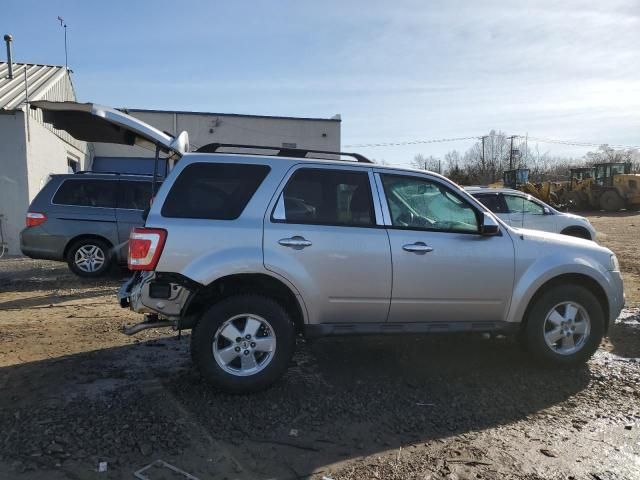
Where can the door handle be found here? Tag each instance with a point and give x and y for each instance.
(418, 247)
(296, 242)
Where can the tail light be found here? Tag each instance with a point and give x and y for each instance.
(145, 247)
(34, 219)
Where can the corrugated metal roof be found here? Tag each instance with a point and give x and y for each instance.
(40, 78)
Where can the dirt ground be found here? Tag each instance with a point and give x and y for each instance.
(74, 392)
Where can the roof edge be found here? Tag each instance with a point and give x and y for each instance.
(188, 112)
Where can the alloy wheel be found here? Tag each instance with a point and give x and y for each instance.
(89, 258)
(244, 345)
(566, 328)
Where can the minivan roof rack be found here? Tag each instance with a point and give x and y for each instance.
(82, 172)
(281, 151)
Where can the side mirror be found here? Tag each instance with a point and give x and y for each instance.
(489, 226)
(546, 211)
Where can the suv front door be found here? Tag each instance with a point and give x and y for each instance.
(444, 270)
(321, 233)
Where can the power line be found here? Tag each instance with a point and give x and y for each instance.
(576, 143)
(411, 142)
(479, 137)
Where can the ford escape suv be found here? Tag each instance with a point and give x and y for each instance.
(250, 250)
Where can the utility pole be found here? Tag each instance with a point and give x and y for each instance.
(511, 152)
(64, 25)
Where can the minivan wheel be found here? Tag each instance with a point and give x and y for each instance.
(565, 325)
(243, 343)
(89, 257)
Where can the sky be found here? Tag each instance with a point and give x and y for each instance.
(396, 71)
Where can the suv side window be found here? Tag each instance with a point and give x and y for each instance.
(493, 201)
(518, 204)
(326, 197)
(213, 191)
(86, 193)
(419, 203)
(134, 194)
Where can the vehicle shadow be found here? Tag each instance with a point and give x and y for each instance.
(20, 275)
(51, 299)
(341, 398)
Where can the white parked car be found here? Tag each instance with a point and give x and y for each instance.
(521, 210)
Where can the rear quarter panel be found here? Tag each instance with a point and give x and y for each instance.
(205, 250)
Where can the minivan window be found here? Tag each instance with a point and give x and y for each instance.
(213, 191)
(134, 195)
(87, 193)
(328, 197)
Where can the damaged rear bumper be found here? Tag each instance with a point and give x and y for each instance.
(158, 296)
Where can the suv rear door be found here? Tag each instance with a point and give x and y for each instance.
(444, 270)
(321, 233)
(98, 123)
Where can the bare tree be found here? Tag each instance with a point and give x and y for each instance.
(430, 163)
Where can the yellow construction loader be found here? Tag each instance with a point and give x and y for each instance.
(549, 192)
(607, 186)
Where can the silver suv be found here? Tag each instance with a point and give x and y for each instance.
(251, 250)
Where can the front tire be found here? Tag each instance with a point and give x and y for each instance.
(89, 258)
(577, 232)
(611, 201)
(565, 325)
(243, 343)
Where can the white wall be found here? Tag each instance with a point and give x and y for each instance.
(14, 192)
(47, 154)
(246, 130)
(26, 160)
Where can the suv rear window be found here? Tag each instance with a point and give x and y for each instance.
(327, 197)
(214, 191)
(87, 193)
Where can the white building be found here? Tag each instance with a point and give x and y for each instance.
(205, 128)
(29, 149)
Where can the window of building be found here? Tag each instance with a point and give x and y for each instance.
(73, 165)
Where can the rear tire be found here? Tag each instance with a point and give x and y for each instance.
(564, 326)
(89, 258)
(611, 201)
(243, 343)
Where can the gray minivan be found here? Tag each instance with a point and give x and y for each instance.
(85, 219)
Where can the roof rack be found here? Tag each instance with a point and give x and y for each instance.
(82, 172)
(282, 151)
